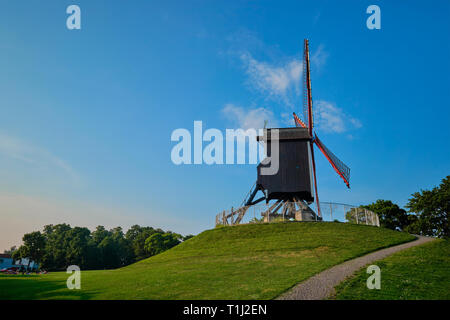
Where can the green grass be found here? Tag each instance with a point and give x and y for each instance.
(255, 261)
(421, 272)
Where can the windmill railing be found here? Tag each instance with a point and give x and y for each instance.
(291, 211)
(332, 211)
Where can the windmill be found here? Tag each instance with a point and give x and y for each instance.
(291, 187)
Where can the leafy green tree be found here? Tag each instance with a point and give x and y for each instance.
(77, 247)
(189, 236)
(414, 225)
(10, 251)
(19, 253)
(390, 214)
(95, 252)
(108, 249)
(33, 247)
(115, 250)
(124, 247)
(160, 242)
(99, 234)
(134, 232)
(56, 246)
(137, 236)
(432, 208)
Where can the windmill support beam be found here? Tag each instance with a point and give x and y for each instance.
(257, 201)
(252, 196)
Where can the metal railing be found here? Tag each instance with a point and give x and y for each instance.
(263, 212)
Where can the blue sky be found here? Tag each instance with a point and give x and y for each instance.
(86, 115)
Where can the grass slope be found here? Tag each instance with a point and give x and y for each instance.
(257, 261)
(421, 272)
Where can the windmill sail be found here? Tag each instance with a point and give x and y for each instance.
(342, 170)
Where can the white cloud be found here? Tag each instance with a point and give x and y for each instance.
(356, 123)
(251, 118)
(280, 81)
(275, 81)
(23, 151)
(319, 57)
(329, 118)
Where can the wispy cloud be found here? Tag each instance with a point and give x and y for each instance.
(329, 118)
(319, 57)
(18, 149)
(275, 81)
(249, 118)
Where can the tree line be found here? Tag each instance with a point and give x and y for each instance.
(427, 213)
(59, 246)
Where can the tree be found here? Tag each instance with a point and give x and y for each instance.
(10, 251)
(134, 232)
(95, 252)
(160, 242)
(432, 208)
(77, 247)
(115, 250)
(137, 236)
(390, 214)
(19, 253)
(189, 236)
(413, 226)
(55, 257)
(32, 248)
(99, 234)
(124, 247)
(108, 249)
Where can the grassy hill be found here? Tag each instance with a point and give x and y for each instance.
(256, 261)
(421, 272)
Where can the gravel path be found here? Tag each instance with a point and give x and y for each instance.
(321, 286)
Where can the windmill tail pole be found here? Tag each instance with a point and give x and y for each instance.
(315, 180)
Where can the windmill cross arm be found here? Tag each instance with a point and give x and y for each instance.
(298, 122)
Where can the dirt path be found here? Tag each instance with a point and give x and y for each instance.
(321, 286)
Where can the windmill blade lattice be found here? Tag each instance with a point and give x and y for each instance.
(342, 170)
